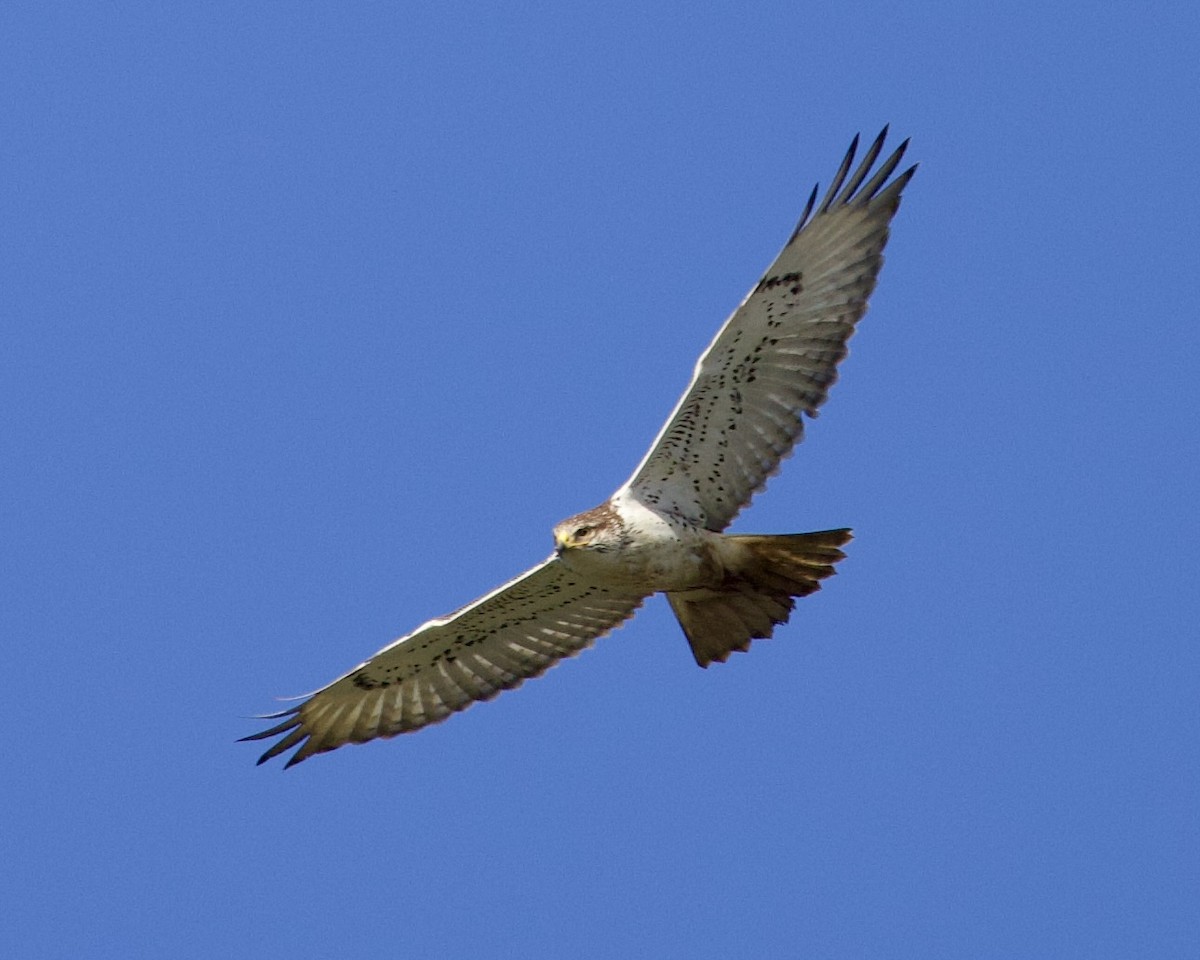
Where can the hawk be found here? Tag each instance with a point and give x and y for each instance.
(770, 365)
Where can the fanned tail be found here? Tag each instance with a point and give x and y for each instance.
(758, 595)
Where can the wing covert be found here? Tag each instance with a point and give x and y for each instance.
(515, 632)
(775, 358)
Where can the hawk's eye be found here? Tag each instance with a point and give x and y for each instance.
(580, 533)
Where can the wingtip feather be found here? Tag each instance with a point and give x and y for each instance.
(860, 174)
(849, 188)
(836, 183)
(808, 209)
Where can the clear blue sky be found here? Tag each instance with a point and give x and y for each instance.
(316, 317)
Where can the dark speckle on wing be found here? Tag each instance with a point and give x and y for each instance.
(794, 281)
(773, 362)
(516, 632)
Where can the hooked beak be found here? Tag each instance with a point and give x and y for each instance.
(560, 542)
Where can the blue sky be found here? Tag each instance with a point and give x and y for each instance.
(317, 317)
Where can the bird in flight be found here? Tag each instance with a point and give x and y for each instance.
(770, 365)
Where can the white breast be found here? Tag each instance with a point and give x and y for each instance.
(664, 553)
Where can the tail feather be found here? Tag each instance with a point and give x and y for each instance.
(758, 595)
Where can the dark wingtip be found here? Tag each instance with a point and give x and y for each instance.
(839, 178)
(808, 209)
(291, 730)
(849, 188)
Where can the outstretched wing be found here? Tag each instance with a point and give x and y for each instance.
(777, 354)
(517, 631)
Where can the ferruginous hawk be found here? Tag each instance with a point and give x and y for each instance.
(771, 364)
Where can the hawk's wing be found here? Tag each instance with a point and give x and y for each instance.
(777, 354)
(515, 632)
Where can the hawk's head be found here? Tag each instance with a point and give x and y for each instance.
(598, 530)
